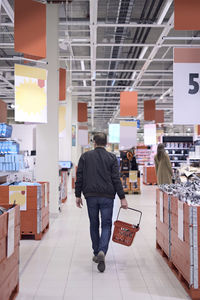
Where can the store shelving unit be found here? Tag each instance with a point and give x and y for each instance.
(143, 155)
(178, 148)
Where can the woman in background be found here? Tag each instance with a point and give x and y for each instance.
(163, 167)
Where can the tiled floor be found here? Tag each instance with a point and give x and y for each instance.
(60, 266)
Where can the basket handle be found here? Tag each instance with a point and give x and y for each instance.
(134, 210)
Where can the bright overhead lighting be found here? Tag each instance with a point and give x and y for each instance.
(82, 65)
(164, 12)
(142, 54)
(113, 82)
(133, 75)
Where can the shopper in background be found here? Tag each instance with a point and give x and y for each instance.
(163, 167)
(98, 179)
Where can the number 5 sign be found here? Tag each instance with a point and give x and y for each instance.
(186, 84)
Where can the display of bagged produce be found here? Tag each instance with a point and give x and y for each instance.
(188, 192)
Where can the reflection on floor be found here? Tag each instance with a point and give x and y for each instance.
(60, 265)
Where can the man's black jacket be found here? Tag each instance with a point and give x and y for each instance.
(98, 175)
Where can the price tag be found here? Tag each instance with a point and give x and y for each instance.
(186, 84)
(11, 232)
(161, 207)
(180, 221)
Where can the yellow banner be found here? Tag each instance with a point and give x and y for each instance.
(31, 72)
(128, 123)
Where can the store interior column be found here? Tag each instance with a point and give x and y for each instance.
(69, 124)
(47, 139)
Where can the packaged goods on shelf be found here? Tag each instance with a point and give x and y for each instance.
(143, 155)
(178, 230)
(34, 205)
(5, 130)
(11, 162)
(188, 192)
(9, 147)
(178, 148)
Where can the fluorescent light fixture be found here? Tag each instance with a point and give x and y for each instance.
(144, 50)
(181, 38)
(133, 75)
(82, 65)
(84, 83)
(164, 12)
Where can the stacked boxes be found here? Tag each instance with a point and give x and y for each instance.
(128, 186)
(149, 175)
(180, 239)
(9, 266)
(11, 162)
(35, 218)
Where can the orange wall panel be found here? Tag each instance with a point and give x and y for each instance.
(149, 110)
(186, 15)
(62, 84)
(30, 28)
(82, 112)
(198, 129)
(159, 116)
(128, 104)
(3, 112)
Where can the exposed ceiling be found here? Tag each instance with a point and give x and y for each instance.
(110, 46)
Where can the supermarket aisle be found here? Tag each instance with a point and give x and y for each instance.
(60, 266)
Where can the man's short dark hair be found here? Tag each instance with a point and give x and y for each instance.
(100, 139)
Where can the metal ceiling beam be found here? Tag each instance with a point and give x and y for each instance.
(122, 79)
(103, 24)
(7, 82)
(138, 88)
(118, 59)
(133, 45)
(162, 72)
(154, 51)
(8, 9)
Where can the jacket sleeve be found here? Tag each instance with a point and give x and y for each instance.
(79, 178)
(116, 179)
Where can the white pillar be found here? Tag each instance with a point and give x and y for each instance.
(74, 122)
(69, 124)
(47, 140)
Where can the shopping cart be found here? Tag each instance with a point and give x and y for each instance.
(124, 233)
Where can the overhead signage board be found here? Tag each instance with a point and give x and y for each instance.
(114, 133)
(186, 84)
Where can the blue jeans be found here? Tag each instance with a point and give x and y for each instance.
(105, 207)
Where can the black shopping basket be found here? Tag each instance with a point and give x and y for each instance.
(124, 233)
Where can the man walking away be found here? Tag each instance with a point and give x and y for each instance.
(98, 179)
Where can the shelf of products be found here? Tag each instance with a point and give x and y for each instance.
(178, 148)
(143, 155)
(10, 159)
(177, 232)
(33, 198)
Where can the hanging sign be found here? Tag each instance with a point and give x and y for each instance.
(128, 135)
(186, 84)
